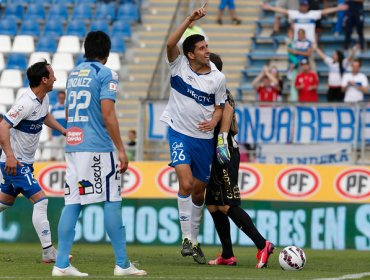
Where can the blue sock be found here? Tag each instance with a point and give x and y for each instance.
(66, 233)
(116, 232)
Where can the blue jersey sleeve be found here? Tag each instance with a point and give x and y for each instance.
(109, 84)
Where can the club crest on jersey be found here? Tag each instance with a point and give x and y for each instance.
(25, 170)
(85, 187)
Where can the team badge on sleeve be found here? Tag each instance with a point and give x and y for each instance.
(112, 86)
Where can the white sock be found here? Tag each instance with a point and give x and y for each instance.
(196, 216)
(41, 223)
(184, 205)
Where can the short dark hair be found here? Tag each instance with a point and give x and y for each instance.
(189, 43)
(97, 45)
(216, 59)
(36, 72)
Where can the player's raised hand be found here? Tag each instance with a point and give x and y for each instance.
(222, 149)
(199, 13)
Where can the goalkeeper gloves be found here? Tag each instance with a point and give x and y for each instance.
(222, 150)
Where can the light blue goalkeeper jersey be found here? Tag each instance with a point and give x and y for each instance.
(88, 84)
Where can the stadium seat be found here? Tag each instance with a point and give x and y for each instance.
(76, 28)
(62, 61)
(14, 11)
(46, 3)
(69, 44)
(58, 11)
(17, 61)
(82, 11)
(35, 12)
(47, 44)
(23, 44)
(91, 2)
(30, 27)
(2, 62)
(118, 45)
(114, 61)
(100, 25)
(26, 82)
(80, 58)
(121, 28)
(11, 78)
(129, 10)
(6, 96)
(53, 27)
(8, 27)
(61, 81)
(20, 91)
(5, 43)
(39, 56)
(69, 3)
(2, 109)
(105, 11)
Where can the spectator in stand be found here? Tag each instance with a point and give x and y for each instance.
(57, 139)
(337, 64)
(131, 143)
(284, 4)
(275, 72)
(355, 17)
(1, 118)
(301, 47)
(338, 28)
(293, 62)
(267, 86)
(232, 11)
(355, 84)
(304, 18)
(306, 83)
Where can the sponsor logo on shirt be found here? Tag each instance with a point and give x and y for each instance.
(84, 73)
(75, 136)
(97, 174)
(15, 111)
(85, 187)
(75, 73)
(112, 86)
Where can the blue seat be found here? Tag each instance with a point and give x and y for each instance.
(118, 45)
(105, 11)
(35, 12)
(82, 11)
(30, 27)
(8, 27)
(17, 61)
(77, 28)
(79, 59)
(58, 11)
(53, 27)
(128, 10)
(47, 44)
(66, 2)
(121, 28)
(100, 25)
(42, 2)
(14, 11)
(91, 2)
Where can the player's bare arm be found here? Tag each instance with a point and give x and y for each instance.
(211, 124)
(331, 10)
(11, 162)
(172, 49)
(111, 123)
(51, 122)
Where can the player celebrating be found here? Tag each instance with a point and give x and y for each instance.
(223, 195)
(197, 92)
(93, 169)
(19, 137)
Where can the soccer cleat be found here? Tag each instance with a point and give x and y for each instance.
(221, 261)
(264, 254)
(198, 255)
(131, 270)
(49, 255)
(68, 271)
(186, 249)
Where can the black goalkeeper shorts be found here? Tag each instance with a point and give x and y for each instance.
(223, 188)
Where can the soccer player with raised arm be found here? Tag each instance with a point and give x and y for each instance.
(19, 137)
(94, 168)
(198, 92)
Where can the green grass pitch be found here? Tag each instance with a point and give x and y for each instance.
(23, 261)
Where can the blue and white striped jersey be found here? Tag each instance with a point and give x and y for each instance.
(193, 98)
(88, 84)
(26, 116)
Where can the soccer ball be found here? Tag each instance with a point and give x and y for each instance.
(292, 258)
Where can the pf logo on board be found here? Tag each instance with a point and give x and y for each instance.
(298, 182)
(131, 180)
(249, 180)
(354, 183)
(167, 181)
(52, 179)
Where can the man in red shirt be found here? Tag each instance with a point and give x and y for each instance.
(306, 83)
(266, 85)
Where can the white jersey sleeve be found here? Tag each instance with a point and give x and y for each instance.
(18, 112)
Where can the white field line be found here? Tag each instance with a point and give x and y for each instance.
(348, 276)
